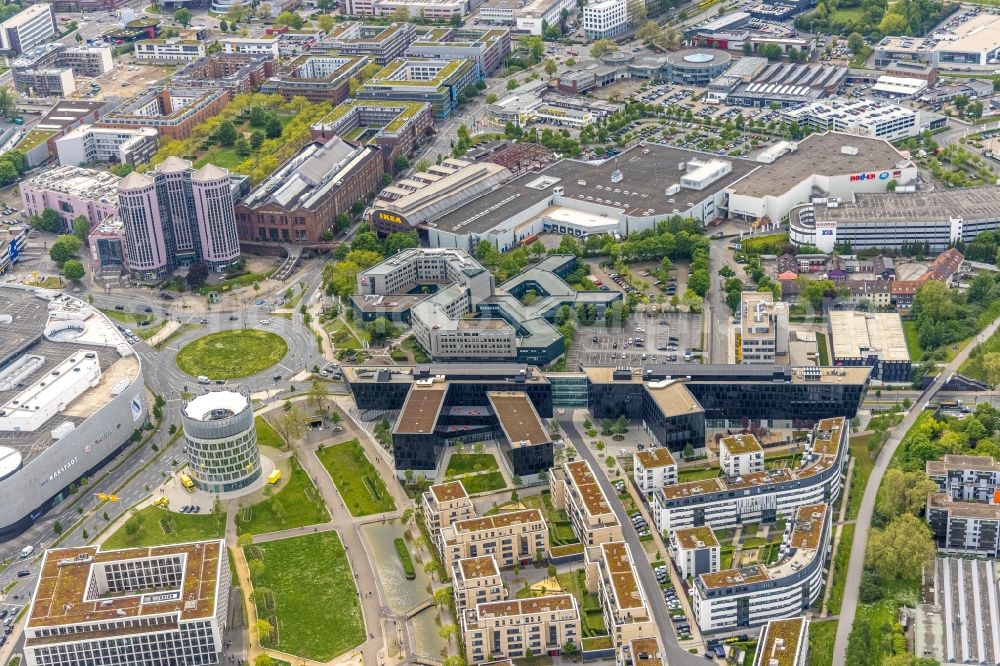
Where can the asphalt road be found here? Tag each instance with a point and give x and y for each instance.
(675, 655)
(849, 606)
(716, 310)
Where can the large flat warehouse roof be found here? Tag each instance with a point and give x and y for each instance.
(859, 334)
(821, 154)
(645, 178)
(974, 203)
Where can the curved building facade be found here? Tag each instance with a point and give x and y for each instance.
(57, 427)
(696, 66)
(222, 441)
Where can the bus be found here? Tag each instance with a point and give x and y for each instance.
(273, 477)
(187, 483)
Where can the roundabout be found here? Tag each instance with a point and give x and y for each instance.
(231, 354)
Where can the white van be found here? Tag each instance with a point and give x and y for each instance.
(202, 379)
(27, 550)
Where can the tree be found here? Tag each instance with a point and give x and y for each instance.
(262, 626)
(73, 270)
(273, 128)
(223, 25)
(401, 240)
(8, 174)
(688, 452)
(226, 135)
(81, 228)
(263, 660)
(291, 19)
(602, 47)
(49, 221)
(326, 23)
(650, 32)
(511, 83)
(902, 493)
(550, 66)
(183, 16)
(855, 42)
(65, 248)
(8, 101)
(892, 24)
(197, 274)
(771, 51)
(257, 139)
(900, 551)
(990, 363)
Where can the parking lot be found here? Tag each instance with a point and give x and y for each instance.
(661, 338)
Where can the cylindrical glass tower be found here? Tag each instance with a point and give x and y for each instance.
(222, 441)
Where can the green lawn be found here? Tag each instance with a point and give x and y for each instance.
(481, 483)
(863, 464)
(839, 572)
(342, 336)
(824, 351)
(227, 158)
(560, 529)
(231, 354)
(266, 434)
(912, 340)
(154, 526)
(466, 463)
(176, 333)
(357, 481)
(697, 474)
(311, 598)
(295, 503)
(821, 635)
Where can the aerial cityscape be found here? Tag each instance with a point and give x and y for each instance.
(499, 332)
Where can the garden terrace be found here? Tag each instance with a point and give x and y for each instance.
(696, 537)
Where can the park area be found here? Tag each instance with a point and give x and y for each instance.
(295, 503)
(231, 354)
(154, 526)
(304, 590)
(359, 484)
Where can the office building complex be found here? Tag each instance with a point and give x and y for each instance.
(763, 329)
(872, 339)
(489, 49)
(221, 441)
(784, 643)
(176, 216)
(71, 396)
(33, 25)
(437, 82)
(441, 405)
(164, 604)
(382, 43)
(751, 596)
(575, 490)
(249, 46)
(740, 455)
(174, 49)
(542, 625)
(88, 144)
(72, 192)
(760, 496)
(317, 78)
(529, 17)
(174, 112)
(300, 201)
(397, 128)
(234, 73)
(49, 69)
(442, 10)
(606, 19)
(503, 330)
